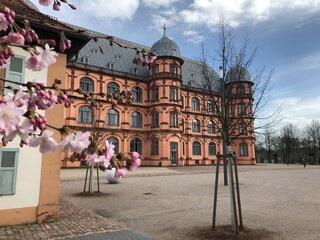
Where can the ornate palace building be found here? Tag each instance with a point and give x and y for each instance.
(171, 123)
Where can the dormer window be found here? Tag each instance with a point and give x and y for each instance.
(110, 65)
(134, 71)
(85, 60)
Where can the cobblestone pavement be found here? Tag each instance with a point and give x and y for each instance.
(74, 223)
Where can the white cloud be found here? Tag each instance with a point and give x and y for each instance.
(158, 3)
(239, 12)
(111, 9)
(193, 36)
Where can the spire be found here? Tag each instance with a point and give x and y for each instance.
(164, 29)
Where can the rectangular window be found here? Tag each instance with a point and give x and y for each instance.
(173, 68)
(155, 119)
(15, 72)
(210, 106)
(155, 94)
(242, 109)
(155, 146)
(173, 93)
(8, 170)
(173, 119)
(244, 150)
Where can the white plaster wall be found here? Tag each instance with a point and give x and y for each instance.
(29, 162)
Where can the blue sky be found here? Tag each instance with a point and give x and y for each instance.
(285, 32)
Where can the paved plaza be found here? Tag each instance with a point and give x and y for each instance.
(176, 203)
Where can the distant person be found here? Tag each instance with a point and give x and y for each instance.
(304, 163)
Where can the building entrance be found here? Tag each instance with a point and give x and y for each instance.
(174, 153)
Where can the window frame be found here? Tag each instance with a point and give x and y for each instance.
(83, 110)
(88, 84)
(212, 149)
(137, 94)
(211, 127)
(136, 121)
(4, 170)
(112, 118)
(196, 148)
(242, 109)
(195, 104)
(174, 96)
(196, 125)
(136, 145)
(174, 119)
(244, 149)
(112, 87)
(154, 119)
(155, 94)
(154, 146)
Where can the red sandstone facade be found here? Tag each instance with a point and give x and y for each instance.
(169, 124)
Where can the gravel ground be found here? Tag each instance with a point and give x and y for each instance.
(277, 203)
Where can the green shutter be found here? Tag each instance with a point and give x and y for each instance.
(8, 170)
(15, 72)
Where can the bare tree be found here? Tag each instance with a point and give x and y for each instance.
(311, 141)
(288, 143)
(238, 98)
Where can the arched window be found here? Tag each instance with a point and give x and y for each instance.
(86, 85)
(195, 104)
(212, 149)
(115, 142)
(195, 125)
(196, 148)
(85, 115)
(211, 127)
(244, 149)
(137, 94)
(112, 87)
(136, 145)
(136, 120)
(112, 117)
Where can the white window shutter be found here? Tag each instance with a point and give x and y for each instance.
(8, 171)
(15, 72)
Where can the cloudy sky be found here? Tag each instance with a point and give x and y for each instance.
(285, 32)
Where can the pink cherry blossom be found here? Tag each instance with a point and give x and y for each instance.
(47, 55)
(42, 59)
(46, 142)
(3, 22)
(76, 142)
(134, 165)
(120, 173)
(22, 131)
(94, 158)
(13, 38)
(9, 117)
(109, 150)
(45, 2)
(135, 155)
(34, 63)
